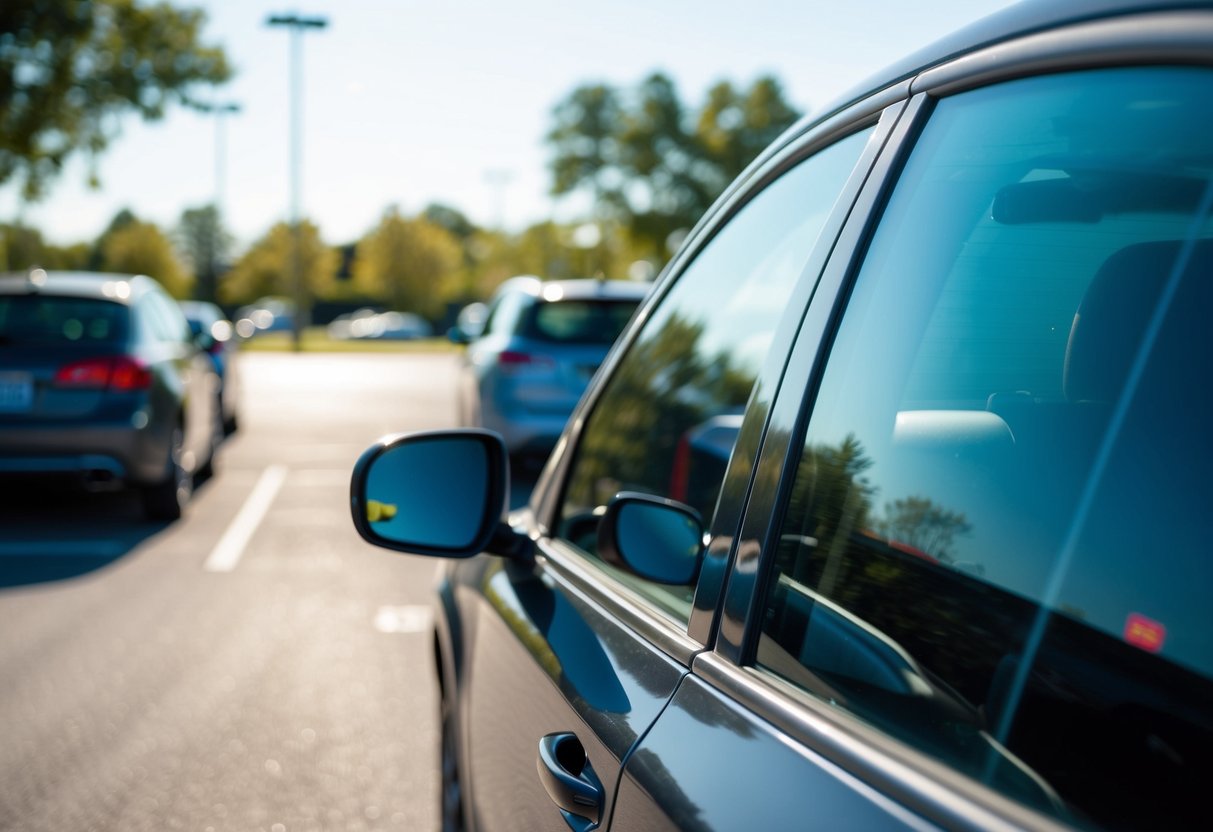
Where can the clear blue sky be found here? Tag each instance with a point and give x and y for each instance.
(409, 103)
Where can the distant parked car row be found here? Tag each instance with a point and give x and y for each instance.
(372, 325)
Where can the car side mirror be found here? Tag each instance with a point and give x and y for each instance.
(438, 493)
(658, 539)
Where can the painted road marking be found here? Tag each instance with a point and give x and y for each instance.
(230, 548)
(403, 619)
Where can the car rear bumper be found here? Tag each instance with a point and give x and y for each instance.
(99, 455)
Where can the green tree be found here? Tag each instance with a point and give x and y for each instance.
(411, 264)
(266, 268)
(734, 127)
(69, 69)
(22, 247)
(660, 152)
(142, 248)
(206, 246)
(650, 163)
(585, 139)
(921, 523)
(452, 219)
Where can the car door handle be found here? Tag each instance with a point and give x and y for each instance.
(570, 780)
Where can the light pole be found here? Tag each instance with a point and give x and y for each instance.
(219, 111)
(208, 277)
(297, 24)
(498, 179)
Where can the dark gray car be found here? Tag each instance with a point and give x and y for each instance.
(102, 384)
(890, 510)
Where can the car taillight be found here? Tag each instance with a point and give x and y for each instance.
(513, 360)
(119, 372)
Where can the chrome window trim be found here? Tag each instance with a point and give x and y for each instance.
(1157, 38)
(922, 784)
(570, 567)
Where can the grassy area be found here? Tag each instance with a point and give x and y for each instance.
(316, 339)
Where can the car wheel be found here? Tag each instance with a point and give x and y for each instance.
(166, 499)
(452, 790)
(218, 431)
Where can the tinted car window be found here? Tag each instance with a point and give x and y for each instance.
(46, 319)
(698, 355)
(994, 548)
(578, 321)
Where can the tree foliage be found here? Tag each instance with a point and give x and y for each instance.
(266, 269)
(142, 248)
(206, 246)
(409, 263)
(650, 163)
(23, 247)
(70, 68)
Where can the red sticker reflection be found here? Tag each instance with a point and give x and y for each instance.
(1144, 633)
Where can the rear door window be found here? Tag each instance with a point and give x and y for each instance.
(994, 548)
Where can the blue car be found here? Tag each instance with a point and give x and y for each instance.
(890, 507)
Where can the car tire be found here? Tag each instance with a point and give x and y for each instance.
(451, 788)
(166, 500)
(218, 431)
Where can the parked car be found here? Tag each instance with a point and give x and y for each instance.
(951, 572)
(102, 383)
(268, 314)
(539, 345)
(216, 335)
(368, 324)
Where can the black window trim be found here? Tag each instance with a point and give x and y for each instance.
(791, 402)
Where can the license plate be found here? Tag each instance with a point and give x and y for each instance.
(16, 392)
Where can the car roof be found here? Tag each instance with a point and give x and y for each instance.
(101, 285)
(1015, 21)
(576, 289)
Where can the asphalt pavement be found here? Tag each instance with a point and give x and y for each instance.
(255, 666)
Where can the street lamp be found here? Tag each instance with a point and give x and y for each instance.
(219, 111)
(297, 24)
(208, 272)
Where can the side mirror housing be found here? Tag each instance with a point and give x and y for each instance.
(653, 537)
(437, 493)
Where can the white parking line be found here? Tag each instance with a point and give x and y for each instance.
(230, 548)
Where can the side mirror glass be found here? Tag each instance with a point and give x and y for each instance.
(440, 493)
(658, 539)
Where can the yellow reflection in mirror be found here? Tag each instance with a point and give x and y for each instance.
(377, 512)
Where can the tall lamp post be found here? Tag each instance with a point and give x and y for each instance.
(297, 24)
(219, 111)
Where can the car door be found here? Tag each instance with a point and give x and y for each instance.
(970, 587)
(575, 656)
